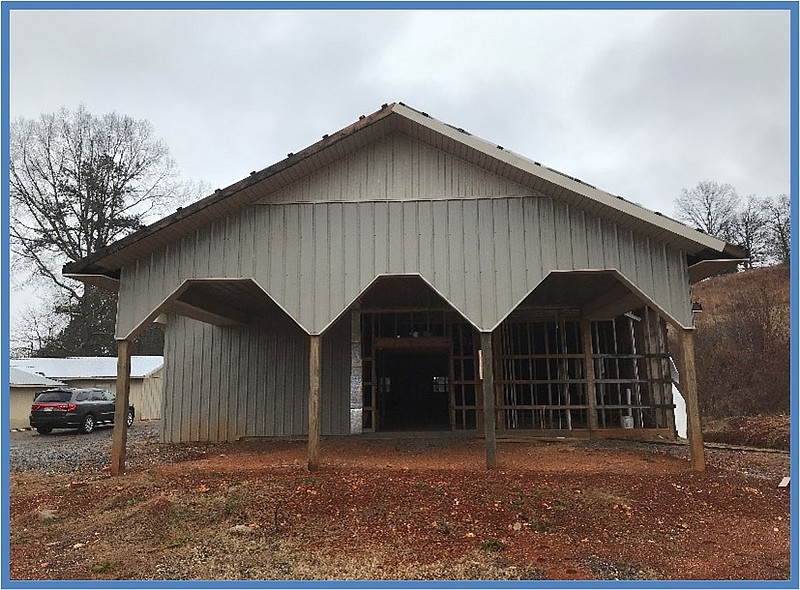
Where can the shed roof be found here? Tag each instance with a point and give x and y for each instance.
(102, 267)
(19, 378)
(88, 367)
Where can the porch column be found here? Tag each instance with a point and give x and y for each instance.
(689, 391)
(591, 380)
(489, 418)
(120, 436)
(313, 402)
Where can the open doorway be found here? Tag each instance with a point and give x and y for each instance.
(413, 390)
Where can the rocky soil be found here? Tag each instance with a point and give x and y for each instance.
(394, 509)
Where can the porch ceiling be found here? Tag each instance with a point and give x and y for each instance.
(401, 292)
(597, 294)
(224, 302)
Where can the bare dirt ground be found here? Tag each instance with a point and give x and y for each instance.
(406, 509)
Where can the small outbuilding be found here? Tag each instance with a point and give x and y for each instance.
(146, 382)
(404, 275)
(24, 386)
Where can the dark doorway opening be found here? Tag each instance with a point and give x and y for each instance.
(414, 392)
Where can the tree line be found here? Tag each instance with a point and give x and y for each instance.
(761, 225)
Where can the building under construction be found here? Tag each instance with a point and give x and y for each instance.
(402, 274)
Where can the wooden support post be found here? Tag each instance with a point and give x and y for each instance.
(313, 402)
(120, 435)
(689, 391)
(489, 418)
(665, 372)
(591, 380)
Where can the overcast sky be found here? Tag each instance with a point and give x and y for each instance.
(638, 103)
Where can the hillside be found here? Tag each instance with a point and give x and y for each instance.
(742, 345)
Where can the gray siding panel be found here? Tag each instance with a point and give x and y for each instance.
(397, 167)
(594, 242)
(517, 258)
(221, 383)
(335, 402)
(483, 255)
(485, 282)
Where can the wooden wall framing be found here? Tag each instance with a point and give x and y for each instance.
(553, 372)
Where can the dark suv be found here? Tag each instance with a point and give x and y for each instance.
(69, 407)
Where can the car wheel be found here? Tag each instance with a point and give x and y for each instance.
(88, 424)
(44, 430)
(129, 418)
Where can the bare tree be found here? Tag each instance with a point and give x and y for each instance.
(749, 230)
(777, 213)
(710, 207)
(78, 182)
(38, 329)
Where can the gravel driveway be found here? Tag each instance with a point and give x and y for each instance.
(65, 451)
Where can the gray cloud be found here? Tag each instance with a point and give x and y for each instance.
(640, 103)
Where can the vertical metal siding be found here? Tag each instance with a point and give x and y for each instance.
(249, 381)
(486, 279)
(594, 242)
(335, 402)
(397, 167)
(516, 234)
(481, 254)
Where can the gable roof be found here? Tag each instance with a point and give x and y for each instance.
(19, 378)
(88, 367)
(102, 267)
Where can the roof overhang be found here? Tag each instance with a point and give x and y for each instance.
(98, 280)
(709, 268)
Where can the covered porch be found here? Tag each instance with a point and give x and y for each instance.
(583, 355)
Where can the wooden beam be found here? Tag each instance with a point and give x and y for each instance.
(609, 307)
(313, 402)
(666, 371)
(209, 312)
(489, 418)
(654, 335)
(591, 382)
(120, 435)
(689, 391)
(409, 343)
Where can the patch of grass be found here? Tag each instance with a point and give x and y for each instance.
(103, 566)
(594, 496)
(538, 525)
(233, 506)
(177, 542)
(492, 545)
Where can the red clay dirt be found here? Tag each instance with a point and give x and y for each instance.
(408, 509)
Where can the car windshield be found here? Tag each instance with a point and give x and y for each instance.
(53, 396)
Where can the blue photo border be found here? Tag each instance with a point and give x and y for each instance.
(8, 7)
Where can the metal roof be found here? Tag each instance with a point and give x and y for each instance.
(390, 118)
(87, 367)
(20, 378)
